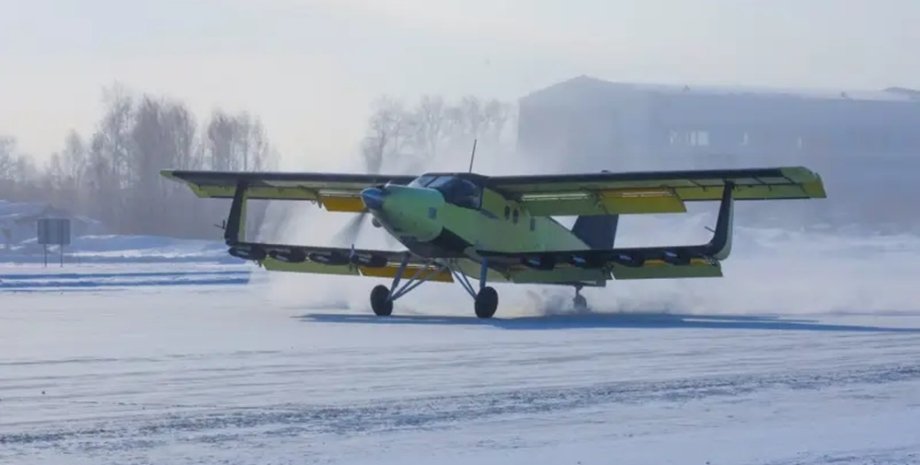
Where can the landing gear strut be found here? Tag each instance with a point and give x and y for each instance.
(485, 301)
(579, 302)
(382, 297)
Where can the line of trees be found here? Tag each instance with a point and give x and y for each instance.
(113, 175)
(413, 138)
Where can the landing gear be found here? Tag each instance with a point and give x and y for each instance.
(486, 302)
(382, 297)
(579, 302)
(380, 301)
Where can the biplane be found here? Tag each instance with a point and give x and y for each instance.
(467, 227)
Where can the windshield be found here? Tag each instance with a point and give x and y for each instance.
(458, 191)
(422, 181)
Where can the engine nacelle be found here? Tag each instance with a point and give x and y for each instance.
(543, 262)
(675, 258)
(370, 261)
(328, 258)
(247, 252)
(288, 256)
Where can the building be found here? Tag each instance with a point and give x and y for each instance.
(866, 144)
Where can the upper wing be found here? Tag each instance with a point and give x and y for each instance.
(653, 192)
(334, 191)
(336, 260)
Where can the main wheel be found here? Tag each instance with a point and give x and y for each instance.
(580, 303)
(486, 302)
(380, 301)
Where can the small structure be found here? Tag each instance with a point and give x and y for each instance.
(54, 231)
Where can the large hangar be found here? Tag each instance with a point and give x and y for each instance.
(865, 143)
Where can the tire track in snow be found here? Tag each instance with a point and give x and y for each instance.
(217, 425)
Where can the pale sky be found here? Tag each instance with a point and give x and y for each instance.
(310, 68)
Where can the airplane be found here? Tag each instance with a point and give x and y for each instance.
(462, 227)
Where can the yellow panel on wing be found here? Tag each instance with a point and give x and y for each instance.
(342, 203)
(308, 267)
(642, 200)
(658, 269)
(389, 271)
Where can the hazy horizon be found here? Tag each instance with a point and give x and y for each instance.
(310, 69)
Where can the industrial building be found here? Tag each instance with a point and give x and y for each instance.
(866, 144)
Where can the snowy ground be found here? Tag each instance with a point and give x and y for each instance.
(127, 369)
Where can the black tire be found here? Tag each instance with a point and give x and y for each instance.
(580, 303)
(486, 302)
(380, 301)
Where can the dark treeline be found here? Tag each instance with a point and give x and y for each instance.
(112, 175)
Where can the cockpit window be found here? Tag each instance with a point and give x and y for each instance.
(458, 191)
(422, 181)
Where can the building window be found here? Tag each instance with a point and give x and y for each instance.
(699, 138)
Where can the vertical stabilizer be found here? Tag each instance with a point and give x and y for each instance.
(597, 231)
(236, 222)
(721, 244)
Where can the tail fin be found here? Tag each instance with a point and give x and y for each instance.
(597, 231)
(721, 244)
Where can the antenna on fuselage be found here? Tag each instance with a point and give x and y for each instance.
(473, 155)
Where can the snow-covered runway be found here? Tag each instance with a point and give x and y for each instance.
(232, 374)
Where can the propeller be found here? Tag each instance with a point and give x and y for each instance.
(348, 235)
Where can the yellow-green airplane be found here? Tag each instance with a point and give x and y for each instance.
(494, 229)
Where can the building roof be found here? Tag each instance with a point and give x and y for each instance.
(589, 86)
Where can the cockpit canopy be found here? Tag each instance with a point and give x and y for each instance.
(456, 190)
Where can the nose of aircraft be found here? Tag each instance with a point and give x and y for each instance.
(373, 198)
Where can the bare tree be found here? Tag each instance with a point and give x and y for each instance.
(7, 158)
(429, 117)
(388, 127)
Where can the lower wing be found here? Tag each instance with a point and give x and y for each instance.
(340, 261)
(623, 263)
